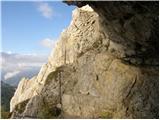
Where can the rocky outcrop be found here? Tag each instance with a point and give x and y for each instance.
(132, 28)
(99, 68)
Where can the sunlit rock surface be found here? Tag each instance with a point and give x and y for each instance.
(100, 67)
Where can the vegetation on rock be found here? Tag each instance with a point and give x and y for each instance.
(7, 93)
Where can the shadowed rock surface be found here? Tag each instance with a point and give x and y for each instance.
(103, 66)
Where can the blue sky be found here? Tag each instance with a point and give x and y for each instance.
(29, 27)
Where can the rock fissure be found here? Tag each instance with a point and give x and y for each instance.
(130, 89)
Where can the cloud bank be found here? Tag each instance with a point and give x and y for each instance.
(10, 74)
(17, 62)
(15, 66)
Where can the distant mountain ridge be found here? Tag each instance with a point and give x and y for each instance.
(14, 80)
(7, 93)
(15, 66)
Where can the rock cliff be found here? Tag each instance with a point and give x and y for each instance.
(105, 65)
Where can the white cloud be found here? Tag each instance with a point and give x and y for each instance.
(9, 52)
(15, 62)
(22, 65)
(45, 9)
(49, 43)
(15, 66)
(10, 74)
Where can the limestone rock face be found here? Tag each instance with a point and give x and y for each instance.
(87, 74)
(132, 28)
(80, 36)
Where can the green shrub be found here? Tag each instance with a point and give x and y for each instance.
(20, 107)
(5, 114)
(47, 112)
(105, 115)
